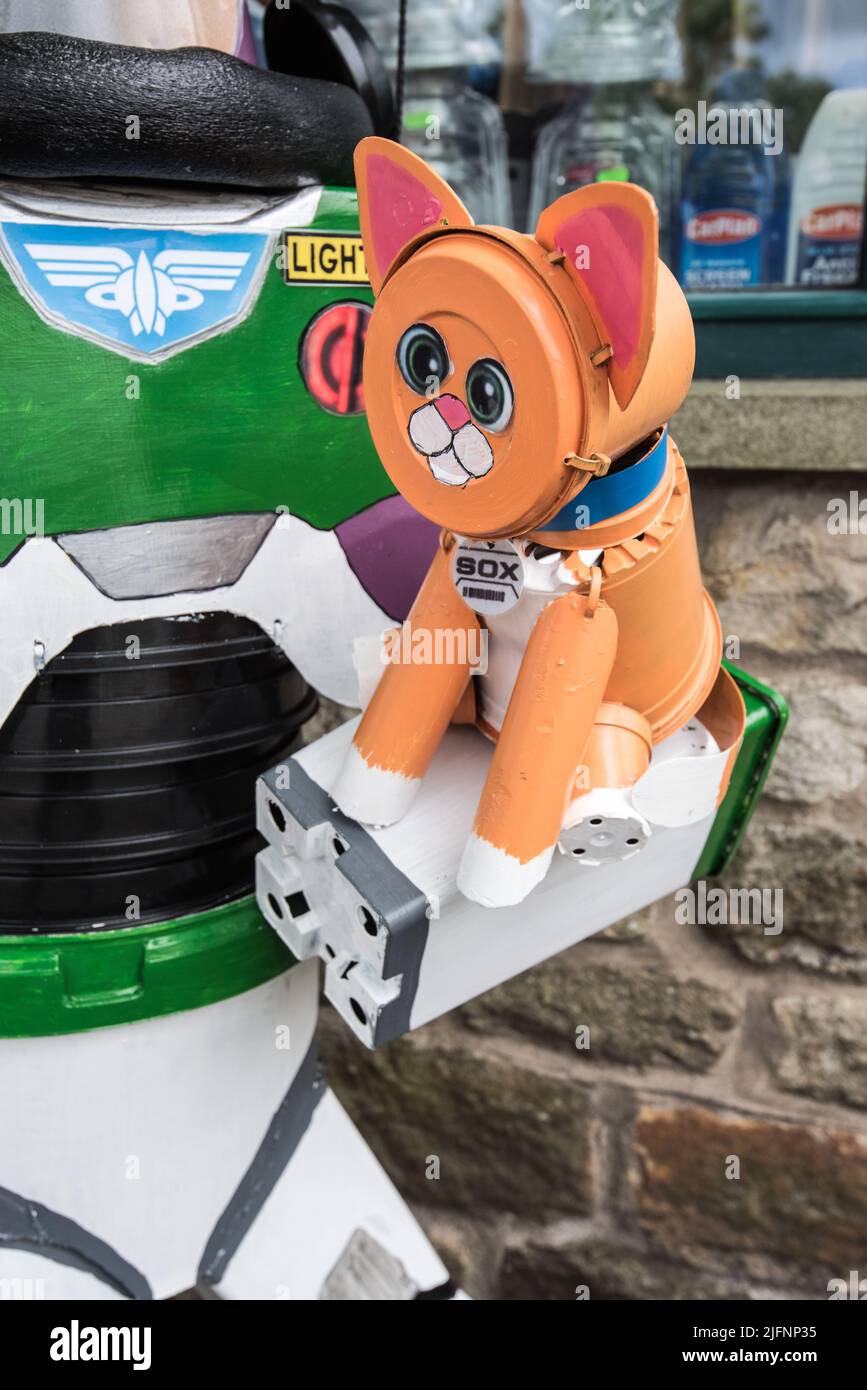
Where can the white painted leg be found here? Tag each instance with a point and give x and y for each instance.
(334, 1226)
(133, 1140)
(202, 1147)
(26, 1277)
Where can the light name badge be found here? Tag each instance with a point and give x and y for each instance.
(323, 258)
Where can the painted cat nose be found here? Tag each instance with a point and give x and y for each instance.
(453, 411)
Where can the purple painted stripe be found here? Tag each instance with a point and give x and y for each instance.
(389, 547)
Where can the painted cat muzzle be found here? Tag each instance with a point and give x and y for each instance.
(455, 448)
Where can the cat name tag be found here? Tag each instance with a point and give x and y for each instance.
(488, 575)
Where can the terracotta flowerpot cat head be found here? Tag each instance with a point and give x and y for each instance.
(497, 362)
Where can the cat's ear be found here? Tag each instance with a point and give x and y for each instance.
(608, 234)
(399, 196)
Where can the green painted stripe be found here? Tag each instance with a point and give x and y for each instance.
(71, 983)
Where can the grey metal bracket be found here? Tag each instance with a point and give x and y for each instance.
(328, 889)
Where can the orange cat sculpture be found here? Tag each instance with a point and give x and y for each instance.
(518, 389)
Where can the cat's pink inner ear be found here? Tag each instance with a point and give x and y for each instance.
(399, 207)
(606, 245)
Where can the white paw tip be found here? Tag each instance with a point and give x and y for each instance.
(372, 795)
(492, 877)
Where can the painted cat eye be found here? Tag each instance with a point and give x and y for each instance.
(422, 358)
(489, 394)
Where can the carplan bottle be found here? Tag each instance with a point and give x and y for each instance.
(827, 222)
(730, 194)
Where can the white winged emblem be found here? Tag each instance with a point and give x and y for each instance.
(145, 293)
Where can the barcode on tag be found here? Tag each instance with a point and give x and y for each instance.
(489, 595)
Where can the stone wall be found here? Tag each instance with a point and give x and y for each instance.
(711, 1142)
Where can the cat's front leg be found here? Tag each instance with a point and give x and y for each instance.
(548, 724)
(430, 663)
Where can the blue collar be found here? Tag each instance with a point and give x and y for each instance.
(615, 493)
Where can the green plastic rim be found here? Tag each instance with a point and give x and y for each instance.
(73, 982)
(767, 715)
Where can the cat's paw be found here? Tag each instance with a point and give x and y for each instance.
(494, 878)
(372, 795)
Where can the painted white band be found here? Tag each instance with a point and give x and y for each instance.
(491, 877)
(373, 795)
(298, 587)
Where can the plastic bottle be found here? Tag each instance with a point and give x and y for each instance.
(607, 133)
(461, 134)
(611, 52)
(602, 41)
(827, 222)
(456, 129)
(733, 197)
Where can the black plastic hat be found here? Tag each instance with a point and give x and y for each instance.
(306, 38)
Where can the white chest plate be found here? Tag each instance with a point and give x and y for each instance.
(509, 628)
